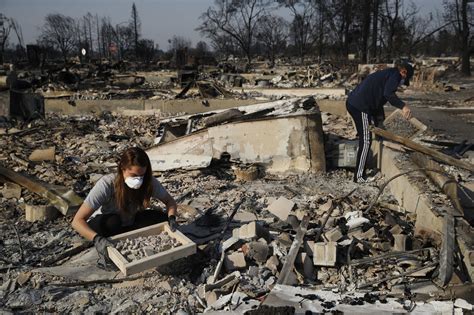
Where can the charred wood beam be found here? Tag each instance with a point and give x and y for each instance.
(37, 187)
(290, 258)
(420, 148)
(446, 254)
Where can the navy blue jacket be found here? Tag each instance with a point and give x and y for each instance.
(375, 90)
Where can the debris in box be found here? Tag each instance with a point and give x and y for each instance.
(144, 246)
(401, 126)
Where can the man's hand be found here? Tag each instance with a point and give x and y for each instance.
(406, 112)
(172, 223)
(101, 243)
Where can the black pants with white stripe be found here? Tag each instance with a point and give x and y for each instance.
(362, 122)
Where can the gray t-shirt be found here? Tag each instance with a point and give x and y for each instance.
(101, 198)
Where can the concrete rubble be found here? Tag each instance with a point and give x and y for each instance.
(264, 185)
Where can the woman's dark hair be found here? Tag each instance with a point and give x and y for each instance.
(125, 195)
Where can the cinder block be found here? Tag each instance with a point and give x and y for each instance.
(325, 254)
(333, 235)
(43, 154)
(250, 231)
(281, 208)
(399, 242)
(11, 190)
(235, 261)
(40, 213)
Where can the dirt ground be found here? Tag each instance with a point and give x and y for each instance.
(449, 114)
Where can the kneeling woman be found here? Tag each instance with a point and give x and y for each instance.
(117, 202)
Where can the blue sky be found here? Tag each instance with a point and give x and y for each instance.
(161, 19)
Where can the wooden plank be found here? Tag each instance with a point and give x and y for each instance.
(446, 254)
(420, 148)
(145, 231)
(118, 259)
(36, 187)
(290, 258)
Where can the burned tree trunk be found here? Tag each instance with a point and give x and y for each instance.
(466, 49)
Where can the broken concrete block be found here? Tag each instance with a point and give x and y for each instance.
(281, 208)
(40, 213)
(42, 155)
(325, 207)
(11, 190)
(284, 239)
(245, 216)
(396, 229)
(253, 230)
(257, 251)
(235, 261)
(231, 242)
(308, 247)
(272, 264)
(399, 242)
(166, 285)
(325, 254)
(370, 233)
(212, 297)
(333, 235)
(356, 232)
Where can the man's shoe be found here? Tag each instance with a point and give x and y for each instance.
(364, 180)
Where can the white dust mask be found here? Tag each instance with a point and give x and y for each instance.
(134, 182)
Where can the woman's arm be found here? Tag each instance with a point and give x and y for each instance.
(170, 203)
(79, 223)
